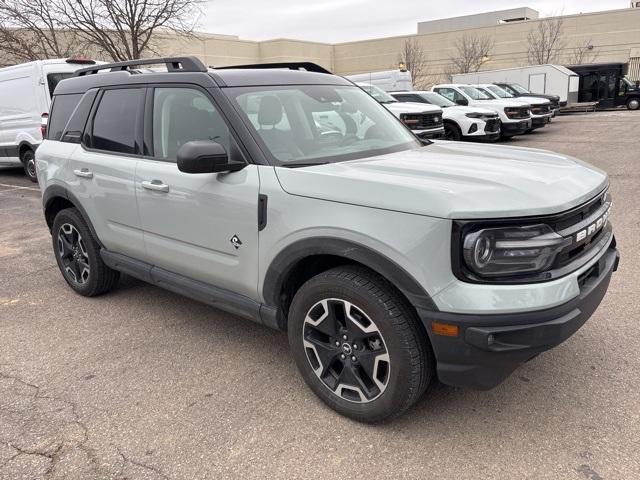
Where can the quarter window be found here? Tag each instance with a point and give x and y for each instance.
(181, 115)
(61, 110)
(116, 122)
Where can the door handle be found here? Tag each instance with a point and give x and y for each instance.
(84, 173)
(156, 186)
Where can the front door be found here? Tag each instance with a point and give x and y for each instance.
(202, 226)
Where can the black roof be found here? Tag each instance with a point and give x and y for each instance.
(122, 73)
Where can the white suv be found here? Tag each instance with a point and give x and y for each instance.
(460, 123)
(425, 120)
(515, 117)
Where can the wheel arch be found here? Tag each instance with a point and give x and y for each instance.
(301, 260)
(25, 145)
(56, 198)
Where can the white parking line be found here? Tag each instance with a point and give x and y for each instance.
(18, 187)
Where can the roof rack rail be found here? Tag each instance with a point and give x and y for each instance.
(174, 64)
(308, 66)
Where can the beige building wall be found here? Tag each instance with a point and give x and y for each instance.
(613, 33)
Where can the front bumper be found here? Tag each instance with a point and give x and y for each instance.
(430, 134)
(489, 348)
(509, 129)
(539, 122)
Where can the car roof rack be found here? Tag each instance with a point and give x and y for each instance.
(307, 66)
(174, 64)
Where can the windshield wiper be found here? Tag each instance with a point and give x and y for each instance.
(303, 164)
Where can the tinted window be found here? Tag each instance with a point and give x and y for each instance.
(181, 115)
(115, 125)
(54, 78)
(61, 110)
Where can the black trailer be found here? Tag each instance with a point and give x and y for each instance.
(606, 84)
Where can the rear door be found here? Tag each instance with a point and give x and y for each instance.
(201, 226)
(101, 171)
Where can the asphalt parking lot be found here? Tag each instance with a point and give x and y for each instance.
(144, 384)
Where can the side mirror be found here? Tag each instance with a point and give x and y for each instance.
(462, 101)
(637, 83)
(205, 156)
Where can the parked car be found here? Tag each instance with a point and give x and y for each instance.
(538, 79)
(424, 120)
(460, 123)
(518, 90)
(389, 261)
(541, 111)
(25, 98)
(515, 118)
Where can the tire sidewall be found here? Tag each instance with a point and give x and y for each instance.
(394, 396)
(73, 217)
(456, 133)
(27, 158)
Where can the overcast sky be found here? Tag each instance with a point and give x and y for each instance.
(343, 20)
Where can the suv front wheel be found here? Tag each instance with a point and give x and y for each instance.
(78, 255)
(358, 345)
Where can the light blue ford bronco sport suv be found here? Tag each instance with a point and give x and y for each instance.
(287, 195)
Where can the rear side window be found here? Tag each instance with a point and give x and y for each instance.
(117, 120)
(61, 110)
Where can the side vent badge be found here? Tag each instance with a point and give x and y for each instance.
(236, 242)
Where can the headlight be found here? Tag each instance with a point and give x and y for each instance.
(504, 251)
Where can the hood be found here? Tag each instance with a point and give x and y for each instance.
(501, 103)
(453, 180)
(536, 100)
(464, 110)
(411, 107)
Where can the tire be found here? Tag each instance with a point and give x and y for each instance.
(28, 159)
(78, 255)
(633, 104)
(452, 132)
(392, 357)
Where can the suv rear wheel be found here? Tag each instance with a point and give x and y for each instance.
(78, 255)
(28, 159)
(358, 345)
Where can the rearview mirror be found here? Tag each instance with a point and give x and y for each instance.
(205, 156)
(462, 101)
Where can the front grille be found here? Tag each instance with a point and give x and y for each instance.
(492, 125)
(422, 121)
(540, 109)
(517, 112)
(581, 219)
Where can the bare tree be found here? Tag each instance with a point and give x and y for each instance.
(414, 57)
(472, 51)
(31, 30)
(546, 41)
(583, 53)
(127, 29)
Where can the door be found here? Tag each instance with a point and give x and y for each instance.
(202, 226)
(101, 171)
(538, 83)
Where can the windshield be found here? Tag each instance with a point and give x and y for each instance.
(500, 92)
(54, 78)
(628, 82)
(377, 93)
(519, 88)
(475, 94)
(437, 99)
(310, 124)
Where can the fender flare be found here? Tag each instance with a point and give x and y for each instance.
(57, 191)
(284, 262)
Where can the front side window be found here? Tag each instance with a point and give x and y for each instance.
(519, 88)
(437, 99)
(450, 94)
(182, 115)
(305, 124)
(116, 121)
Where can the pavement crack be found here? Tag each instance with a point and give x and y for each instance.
(137, 463)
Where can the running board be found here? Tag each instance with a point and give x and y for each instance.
(216, 297)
